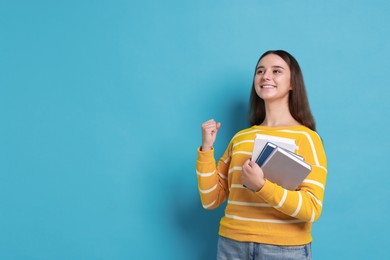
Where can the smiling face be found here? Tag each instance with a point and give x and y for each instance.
(273, 78)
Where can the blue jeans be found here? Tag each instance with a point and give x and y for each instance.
(229, 249)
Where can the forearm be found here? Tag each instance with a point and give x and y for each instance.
(212, 180)
(304, 204)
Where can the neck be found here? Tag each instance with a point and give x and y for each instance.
(277, 114)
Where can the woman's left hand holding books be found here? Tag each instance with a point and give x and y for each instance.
(252, 176)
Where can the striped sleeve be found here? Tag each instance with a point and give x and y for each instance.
(212, 178)
(306, 202)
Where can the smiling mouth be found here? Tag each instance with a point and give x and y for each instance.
(267, 86)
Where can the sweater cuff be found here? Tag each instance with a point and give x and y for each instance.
(206, 156)
(267, 191)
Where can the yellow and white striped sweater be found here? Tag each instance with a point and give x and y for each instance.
(272, 215)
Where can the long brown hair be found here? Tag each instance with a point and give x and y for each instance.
(297, 99)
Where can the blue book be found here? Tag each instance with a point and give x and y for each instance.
(267, 150)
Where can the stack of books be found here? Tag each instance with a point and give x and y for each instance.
(276, 157)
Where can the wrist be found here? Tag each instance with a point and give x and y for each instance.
(205, 148)
(261, 184)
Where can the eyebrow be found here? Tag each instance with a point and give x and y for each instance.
(274, 67)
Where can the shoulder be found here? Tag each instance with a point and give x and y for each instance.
(312, 135)
(304, 136)
(310, 143)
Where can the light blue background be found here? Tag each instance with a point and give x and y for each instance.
(101, 104)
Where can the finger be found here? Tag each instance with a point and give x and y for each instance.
(216, 127)
(247, 163)
(251, 163)
(209, 124)
(210, 121)
(245, 167)
(254, 165)
(212, 127)
(208, 128)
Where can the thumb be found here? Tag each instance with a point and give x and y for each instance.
(218, 125)
(247, 163)
(252, 163)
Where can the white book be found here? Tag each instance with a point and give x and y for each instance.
(261, 140)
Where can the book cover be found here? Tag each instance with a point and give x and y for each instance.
(285, 169)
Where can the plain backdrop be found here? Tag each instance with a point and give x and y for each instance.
(101, 104)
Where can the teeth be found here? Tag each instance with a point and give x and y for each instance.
(267, 86)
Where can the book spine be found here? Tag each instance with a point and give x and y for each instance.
(267, 150)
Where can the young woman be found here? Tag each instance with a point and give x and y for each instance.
(262, 219)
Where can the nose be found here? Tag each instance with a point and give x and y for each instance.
(267, 75)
